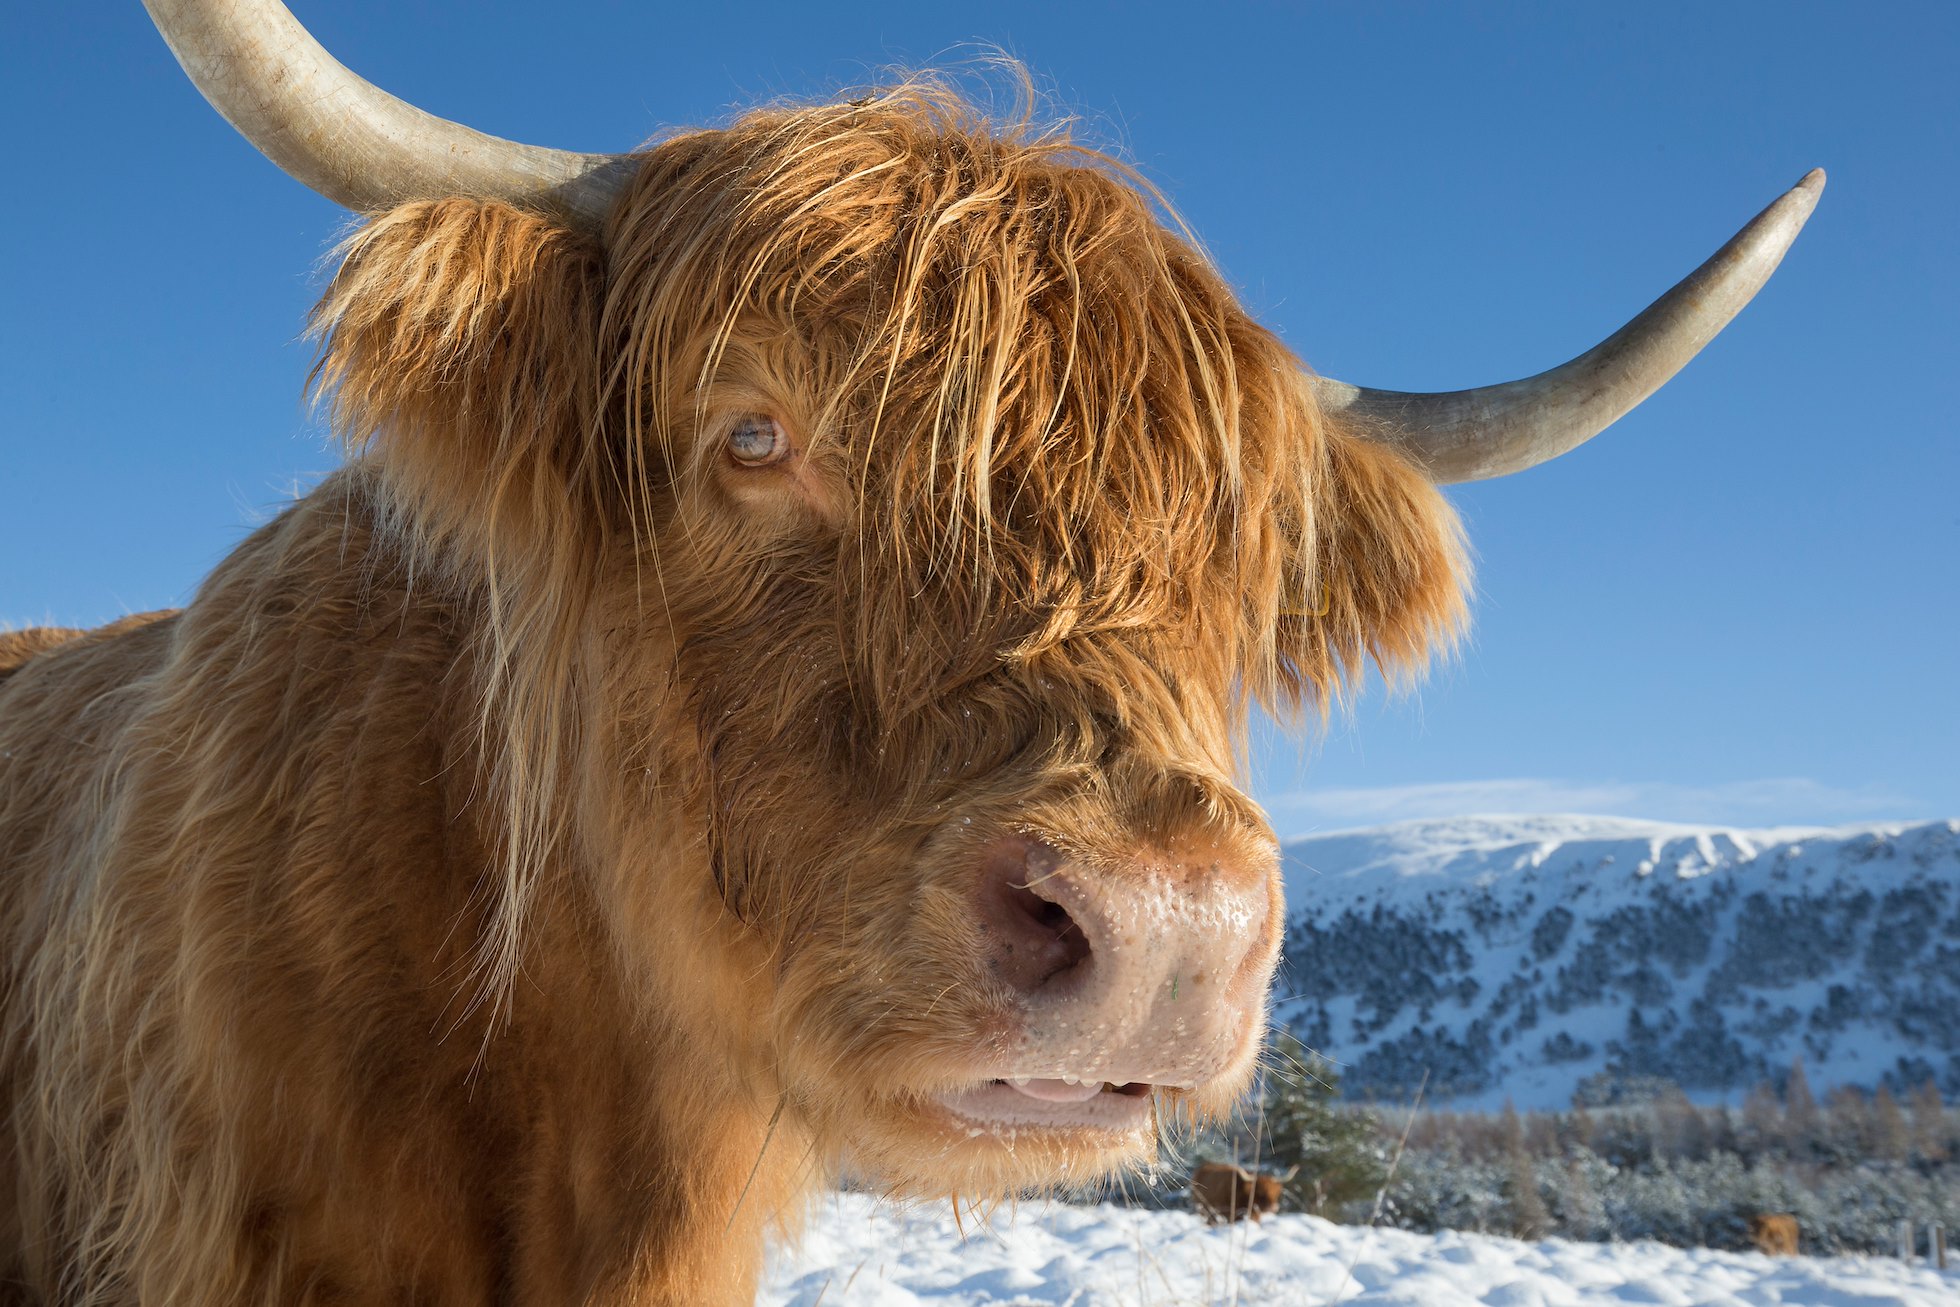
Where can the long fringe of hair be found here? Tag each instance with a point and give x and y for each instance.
(1060, 424)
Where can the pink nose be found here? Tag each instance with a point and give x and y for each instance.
(1152, 971)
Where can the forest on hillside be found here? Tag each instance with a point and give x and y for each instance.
(1631, 1159)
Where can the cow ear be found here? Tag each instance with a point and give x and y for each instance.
(458, 352)
(1384, 578)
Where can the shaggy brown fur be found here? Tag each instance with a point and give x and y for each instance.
(1223, 1192)
(548, 818)
(1774, 1234)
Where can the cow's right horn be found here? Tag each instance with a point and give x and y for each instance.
(353, 142)
(1471, 435)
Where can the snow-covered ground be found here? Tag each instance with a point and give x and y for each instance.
(860, 1252)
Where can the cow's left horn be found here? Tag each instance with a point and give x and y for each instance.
(353, 142)
(1471, 435)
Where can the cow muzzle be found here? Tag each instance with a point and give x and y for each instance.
(1127, 975)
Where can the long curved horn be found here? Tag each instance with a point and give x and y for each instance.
(1472, 435)
(353, 142)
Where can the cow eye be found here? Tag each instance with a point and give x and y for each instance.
(758, 441)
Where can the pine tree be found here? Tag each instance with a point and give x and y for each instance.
(1929, 1133)
(1721, 1127)
(1891, 1138)
(1541, 1135)
(1678, 1128)
(1335, 1154)
(1529, 1219)
(1579, 1128)
(1762, 1121)
(1581, 1213)
(1847, 1126)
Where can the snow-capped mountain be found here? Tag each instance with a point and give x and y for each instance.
(1519, 956)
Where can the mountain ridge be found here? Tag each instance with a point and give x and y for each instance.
(1526, 957)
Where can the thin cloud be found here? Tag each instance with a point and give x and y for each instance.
(1774, 801)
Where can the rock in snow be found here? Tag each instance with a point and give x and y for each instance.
(861, 1252)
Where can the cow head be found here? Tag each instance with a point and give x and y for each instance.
(882, 524)
(925, 516)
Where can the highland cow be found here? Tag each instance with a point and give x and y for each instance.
(1221, 1191)
(1775, 1234)
(763, 698)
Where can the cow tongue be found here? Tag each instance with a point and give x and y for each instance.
(1058, 1091)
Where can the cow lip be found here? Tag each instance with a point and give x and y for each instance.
(999, 1106)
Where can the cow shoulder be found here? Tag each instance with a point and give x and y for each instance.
(18, 648)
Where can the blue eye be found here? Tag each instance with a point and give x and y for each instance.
(757, 441)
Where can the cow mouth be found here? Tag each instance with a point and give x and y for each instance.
(1015, 1103)
(1069, 1089)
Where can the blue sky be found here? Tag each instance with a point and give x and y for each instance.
(1738, 605)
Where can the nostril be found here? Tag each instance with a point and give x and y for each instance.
(1050, 924)
(1051, 916)
(1034, 939)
